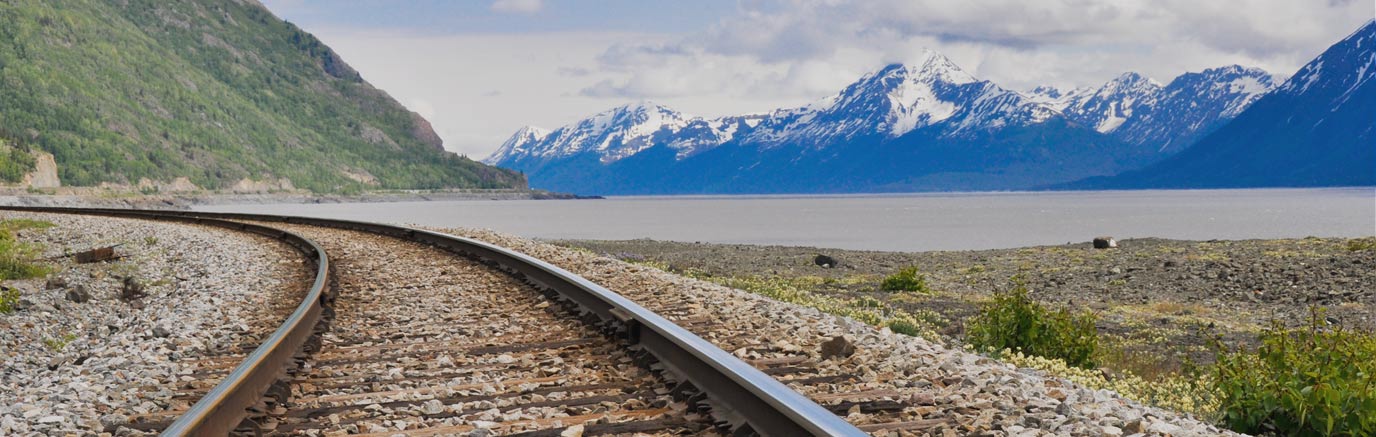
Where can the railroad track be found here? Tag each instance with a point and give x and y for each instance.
(432, 334)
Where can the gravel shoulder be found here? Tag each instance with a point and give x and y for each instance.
(937, 390)
(81, 358)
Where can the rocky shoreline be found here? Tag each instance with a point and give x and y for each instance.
(95, 344)
(86, 197)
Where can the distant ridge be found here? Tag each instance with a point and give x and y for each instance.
(1316, 129)
(928, 126)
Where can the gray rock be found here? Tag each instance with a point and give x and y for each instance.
(79, 294)
(161, 332)
(55, 282)
(111, 422)
(838, 347)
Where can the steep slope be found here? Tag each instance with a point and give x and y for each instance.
(215, 90)
(1314, 130)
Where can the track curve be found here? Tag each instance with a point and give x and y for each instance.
(742, 400)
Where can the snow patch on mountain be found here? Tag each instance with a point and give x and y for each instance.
(933, 95)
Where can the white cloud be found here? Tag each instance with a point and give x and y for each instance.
(778, 53)
(1015, 43)
(517, 6)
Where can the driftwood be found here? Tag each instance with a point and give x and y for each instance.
(96, 255)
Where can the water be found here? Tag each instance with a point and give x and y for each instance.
(909, 222)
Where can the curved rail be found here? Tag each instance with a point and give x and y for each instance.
(747, 397)
(226, 405)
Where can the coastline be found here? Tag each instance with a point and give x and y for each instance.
(100, 198)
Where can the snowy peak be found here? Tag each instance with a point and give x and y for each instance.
(1234, 87)
(1108, 107)
(1346, 65)
(518, 144)
(932, 95)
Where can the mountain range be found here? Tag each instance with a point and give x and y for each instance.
(931, 126)
(1316, 129)
(203, 94)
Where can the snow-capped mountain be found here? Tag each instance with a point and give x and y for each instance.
(1316, 129)
(1142, 112)
(931, 106)
(621, 132)
(899, 99)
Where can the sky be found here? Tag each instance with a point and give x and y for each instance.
(480, 70)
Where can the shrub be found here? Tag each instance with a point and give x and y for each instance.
(905, 280)
(9, 298)
(1011, 320)
(1316, 380)
(1359, 244)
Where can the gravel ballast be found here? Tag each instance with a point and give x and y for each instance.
(83, 366)
(945, 391)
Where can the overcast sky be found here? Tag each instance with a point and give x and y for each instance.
(479, 70)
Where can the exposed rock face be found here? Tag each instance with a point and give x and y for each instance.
(423, 131)
(178, 185)
(45, 172)
(251, 186)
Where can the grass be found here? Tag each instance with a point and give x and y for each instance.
(18, 260)
(59, 343)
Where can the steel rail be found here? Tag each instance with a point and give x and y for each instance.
(750, 399)
(221, 410)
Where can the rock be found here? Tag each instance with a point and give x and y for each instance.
(837, 347)
(54, 283)
(131, 289)
(111, 422)
(825, 262)
(161, 332)
(432, 407)
(572, 431)
(1134, 426)
(1105, 243)
(79, 294)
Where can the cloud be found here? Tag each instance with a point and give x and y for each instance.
(517, 6)
(770, 54)
(772, 46)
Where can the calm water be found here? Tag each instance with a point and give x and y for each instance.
(915, 222)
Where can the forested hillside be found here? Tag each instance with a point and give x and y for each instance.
(218, 91)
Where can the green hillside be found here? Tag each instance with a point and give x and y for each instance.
(214, 90)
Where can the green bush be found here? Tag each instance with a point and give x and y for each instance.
(905, 280)
(1318, 381)
(1011, 320)
(1360, 244)
(9, 298)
